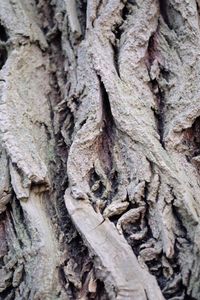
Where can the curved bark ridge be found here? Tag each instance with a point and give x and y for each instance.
(99, 101)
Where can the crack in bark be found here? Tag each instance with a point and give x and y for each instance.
(160, 114)
(163, 11)
(107, 116)
(3, 34)
(159, 110)
(118, 31)
(172, 16)
(116, 56)
(3, 46)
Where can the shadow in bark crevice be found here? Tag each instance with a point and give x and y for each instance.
(3, 34)
(82, 11)
(3, 56)
(171, 16)
(115, 49)
(118, 31)
(163, 11)
(103, 180)
(107, 136)
(95, 180)
(8, 293)
(190, 144)
(159, 111)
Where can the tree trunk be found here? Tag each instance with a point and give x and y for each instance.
(100, 149)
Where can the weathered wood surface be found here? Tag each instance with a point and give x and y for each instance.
(99, 101)
(114, 259)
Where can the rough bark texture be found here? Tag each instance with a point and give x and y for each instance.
(100, 149)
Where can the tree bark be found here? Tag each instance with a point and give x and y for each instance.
(100, 149)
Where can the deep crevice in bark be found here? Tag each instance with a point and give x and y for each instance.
(98, 7)
(3, 34)
(108, 125)
(198, 12)
(118, 31)
(127, 9)
(107, 113)
(155, 87)
(172, 17)
(160, 114)
(116, 56)
(98, 182)
(3, 56)
(82, 9)
(191, 141)
(164, 12)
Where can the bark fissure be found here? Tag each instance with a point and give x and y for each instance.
(3, 34)
(159, 113)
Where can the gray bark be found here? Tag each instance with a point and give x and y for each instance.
(100, 149)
